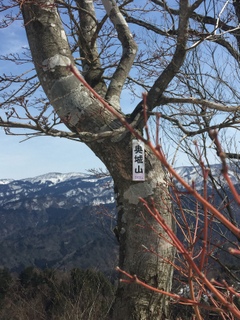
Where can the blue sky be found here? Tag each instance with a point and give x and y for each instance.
(39, 155)
(42, 154)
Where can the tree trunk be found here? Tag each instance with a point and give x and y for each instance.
(137, 231)
(85, 115)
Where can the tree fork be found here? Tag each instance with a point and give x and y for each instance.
(84, 113)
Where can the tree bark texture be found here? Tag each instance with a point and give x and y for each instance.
(137, 231)
(82, 112)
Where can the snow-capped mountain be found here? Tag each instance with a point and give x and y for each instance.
(81, 188)
(57, 220)
(194, 174)
(56, 189)
(66, 220)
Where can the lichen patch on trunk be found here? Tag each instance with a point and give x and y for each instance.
(57, 60)
(138, 190)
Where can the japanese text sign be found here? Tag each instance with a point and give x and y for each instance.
(138, 160)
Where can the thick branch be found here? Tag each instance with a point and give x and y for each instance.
(129, 50)
(52, 55)
(178, 58)
(173, 67)
(236, 5)
(92, 70)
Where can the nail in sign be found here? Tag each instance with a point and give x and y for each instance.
(138, 160)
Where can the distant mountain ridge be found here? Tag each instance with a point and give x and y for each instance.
(75, 189)
(57, 220)
(189, 173)
(65, 220)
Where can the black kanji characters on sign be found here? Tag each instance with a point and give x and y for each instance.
(138, 161)
(138, 158)
(138, 169)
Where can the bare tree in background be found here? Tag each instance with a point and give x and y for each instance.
(185, 54)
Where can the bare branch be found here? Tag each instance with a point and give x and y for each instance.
(202, 102)
(47, 131)
(150, 26)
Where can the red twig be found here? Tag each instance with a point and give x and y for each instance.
(179, 299)
(195, 271)
(234, 251)
(205, 229)
(222, 155)
(159, 154)
(106, 105)
(134, 279)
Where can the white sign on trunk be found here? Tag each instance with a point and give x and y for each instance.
(138, 160)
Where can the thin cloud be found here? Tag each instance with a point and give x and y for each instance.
(13, 39)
